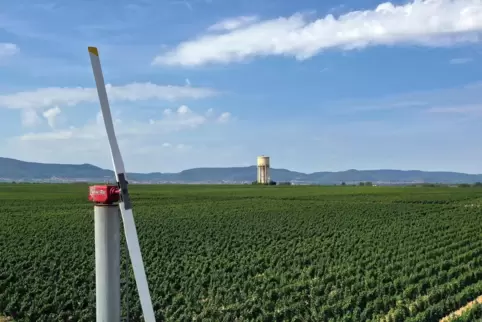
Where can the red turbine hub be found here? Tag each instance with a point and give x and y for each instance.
(104, 194)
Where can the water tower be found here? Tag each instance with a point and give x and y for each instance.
(263, 169)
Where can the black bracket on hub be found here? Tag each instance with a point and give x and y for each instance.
(124, 193)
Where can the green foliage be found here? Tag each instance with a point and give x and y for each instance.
(222, 253)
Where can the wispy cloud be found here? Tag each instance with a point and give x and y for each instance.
(52, 96)
(422, 22)
(180, 119)
(462, 60)
(463, 109)
(185, 3)
(30, 118)
(51, 115)
(233, 23)
(24, 28)
(8, 49)
(337, 8)
(224, 117)
(441, 98)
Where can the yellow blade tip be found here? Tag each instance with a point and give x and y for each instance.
(93, 50)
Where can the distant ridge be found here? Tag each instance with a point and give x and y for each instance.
(16, 170)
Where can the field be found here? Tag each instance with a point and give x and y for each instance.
(234, 253)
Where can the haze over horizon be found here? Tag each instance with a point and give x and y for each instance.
(246, 166)
(205, 83)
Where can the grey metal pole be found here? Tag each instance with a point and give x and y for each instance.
(107, 262)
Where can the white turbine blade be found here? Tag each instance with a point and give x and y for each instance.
(137, 263)
(105, 108)
(125, 204)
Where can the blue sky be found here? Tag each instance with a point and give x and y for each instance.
(206, 83)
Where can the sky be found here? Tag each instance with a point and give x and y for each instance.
(315, 85)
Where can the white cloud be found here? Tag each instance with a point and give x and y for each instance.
(172, 140)
(51, 115)
(182, 146)
(30, 118)
(458, 61)
(7, 49)
(233, 23)
(49, 136)
(183, 119)
(99, 118)
(183, 109)
(52, 96)
(224, 117)
(422, 22)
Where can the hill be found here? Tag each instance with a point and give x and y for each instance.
(16, 170)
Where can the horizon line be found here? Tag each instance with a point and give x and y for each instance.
(254, 166)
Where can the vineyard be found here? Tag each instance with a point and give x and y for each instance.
(250, 253)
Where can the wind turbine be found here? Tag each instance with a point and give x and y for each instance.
(124, 204)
